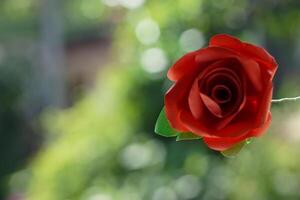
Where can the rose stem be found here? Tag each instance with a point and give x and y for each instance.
(285, 99)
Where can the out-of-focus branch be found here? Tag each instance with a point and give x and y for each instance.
(52, 67)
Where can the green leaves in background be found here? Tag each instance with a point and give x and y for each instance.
(233, 151)
(163, 128)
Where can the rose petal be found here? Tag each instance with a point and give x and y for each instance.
(174, 100)
(253, 71)
(223, 143)
(219, 68)
(240, 92)
(211, 105)
(235, 129)
(195, 102)
(221, 93)
(225, 40)
(220, 125)
(210, 54)
(259, 131)
(183, 66)
(198, 127)
(240, 104)
(243, 107)
(251, 67)
(193, 124)
(189, 63)
(259, 53)
(264, 105)
(224, 122)
(203, 125)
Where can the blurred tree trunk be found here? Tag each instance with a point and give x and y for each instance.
(52, 67)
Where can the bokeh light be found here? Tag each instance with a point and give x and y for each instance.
(111, 3)
(188, 187)
(154, 60)
(191, 40)
(131, 4)
(147, 31)
(164, 193)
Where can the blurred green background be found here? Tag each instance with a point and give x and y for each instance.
(82, 83)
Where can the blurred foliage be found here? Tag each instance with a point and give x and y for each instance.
(11, 126)
(104, 148)
(19, 57)
(72, 155)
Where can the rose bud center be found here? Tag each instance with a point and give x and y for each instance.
(221, 94)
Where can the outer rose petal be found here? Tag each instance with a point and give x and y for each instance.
(253, 71)
(188, 64)
(224, 143)
(174, 102)
(199, 128)
(183, 66)
(224, 40)
(194, 125)
(264, 105)
(259, 131)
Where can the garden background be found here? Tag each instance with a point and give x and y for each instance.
(82, 83)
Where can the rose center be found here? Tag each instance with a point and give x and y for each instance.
(221, 94)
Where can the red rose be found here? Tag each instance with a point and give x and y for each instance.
(222, 93)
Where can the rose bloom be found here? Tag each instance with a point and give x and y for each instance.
(222, 93)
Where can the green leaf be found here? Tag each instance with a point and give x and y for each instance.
(233, 151)
(162, 126)
(187, 136)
